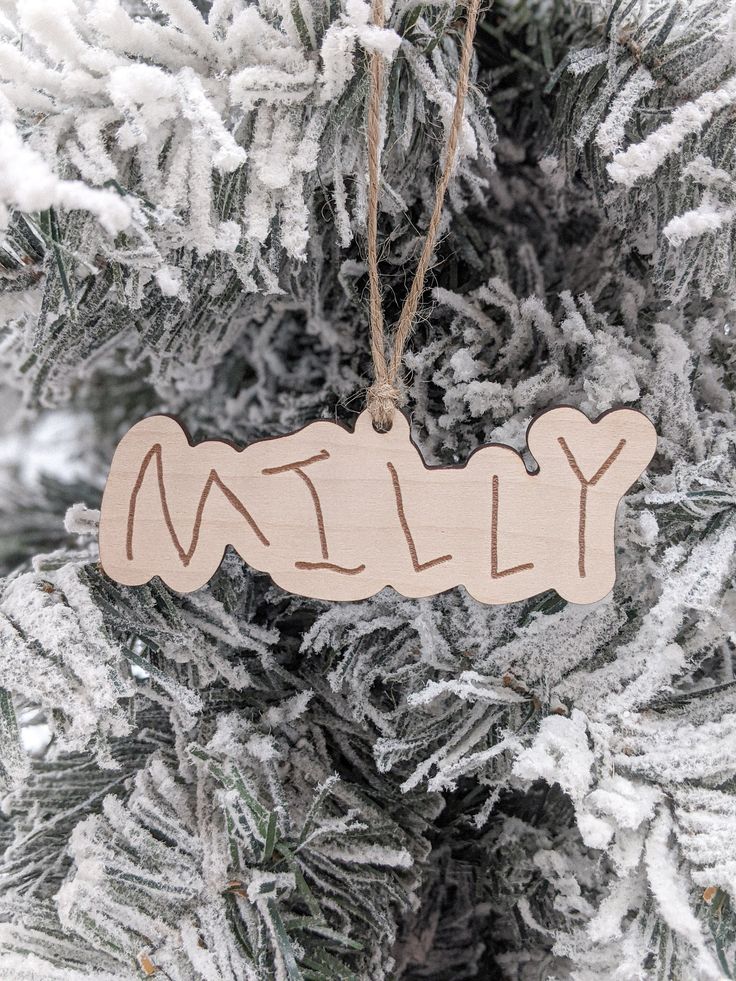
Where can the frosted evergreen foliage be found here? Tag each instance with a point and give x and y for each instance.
(647, 113)
(239, 783)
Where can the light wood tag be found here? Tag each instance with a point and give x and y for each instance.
(337, 515)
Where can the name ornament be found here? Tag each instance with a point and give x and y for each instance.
(339, 515)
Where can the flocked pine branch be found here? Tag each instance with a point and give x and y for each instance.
(242, 783)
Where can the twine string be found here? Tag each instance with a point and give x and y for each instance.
(384, 395)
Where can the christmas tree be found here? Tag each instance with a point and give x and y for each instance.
(241, 783)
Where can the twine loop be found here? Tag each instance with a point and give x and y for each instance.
(385, 394)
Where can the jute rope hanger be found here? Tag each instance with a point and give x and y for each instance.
(384, 395)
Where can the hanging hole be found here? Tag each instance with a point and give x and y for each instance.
(382, 429)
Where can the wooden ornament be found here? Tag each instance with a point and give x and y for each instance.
(339, 515)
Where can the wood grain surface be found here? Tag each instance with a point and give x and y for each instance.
(339, 515)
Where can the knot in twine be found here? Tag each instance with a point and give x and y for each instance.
(385, 395)
(383, 399)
